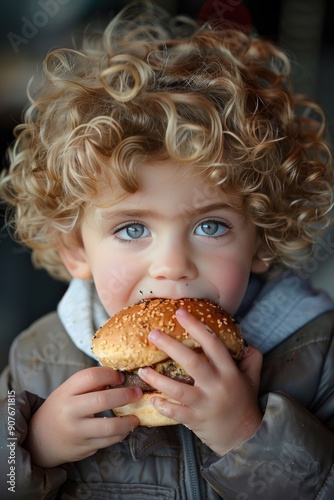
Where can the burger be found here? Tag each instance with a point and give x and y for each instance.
(122, 344)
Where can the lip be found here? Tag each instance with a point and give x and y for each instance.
(174, 297)
(178, 293)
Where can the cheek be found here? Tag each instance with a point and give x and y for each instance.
(114, 283)
(231, 280)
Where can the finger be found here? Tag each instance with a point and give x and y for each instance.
(108, 432)
(178, 412)
(99, 401)
(213, 347)
(251, 365)
(93, 379)
(215, 350)
(195, 364)
(116, 428)
(174, 348)
(184, 393)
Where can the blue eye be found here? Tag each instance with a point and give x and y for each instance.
(132, 232)
(211, 228)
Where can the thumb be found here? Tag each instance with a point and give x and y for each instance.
(251, 365)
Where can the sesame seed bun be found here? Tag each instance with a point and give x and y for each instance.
(122, 342)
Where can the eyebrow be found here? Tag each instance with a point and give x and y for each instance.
(139, 213)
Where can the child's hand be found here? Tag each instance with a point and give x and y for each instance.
(221, 408)
(64, 428)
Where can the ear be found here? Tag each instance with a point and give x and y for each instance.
(262, 259)
(73, 255)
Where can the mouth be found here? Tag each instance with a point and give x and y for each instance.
(177, 294)
(176, 298)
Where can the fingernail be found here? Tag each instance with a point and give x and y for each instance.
(182, 313)
(138, 392)
(245, 351)
(154, 335)
(142, 371)
(121, 376)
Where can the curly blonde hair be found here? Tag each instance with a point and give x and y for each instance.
(214, 100)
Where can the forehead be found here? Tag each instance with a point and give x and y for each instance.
(165, 183)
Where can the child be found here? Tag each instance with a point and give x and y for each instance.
(155, 165)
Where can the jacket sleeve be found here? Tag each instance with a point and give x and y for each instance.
(20, 479)
(25, 376)
(290, 456)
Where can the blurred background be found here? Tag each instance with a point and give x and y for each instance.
(28, 30)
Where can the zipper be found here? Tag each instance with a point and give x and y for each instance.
(195, 484)
(191, 474)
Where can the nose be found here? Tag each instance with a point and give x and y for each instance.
(173, 262)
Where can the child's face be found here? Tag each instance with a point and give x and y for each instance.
(175, 237)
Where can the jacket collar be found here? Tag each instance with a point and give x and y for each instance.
(81, 314)
(280, 307)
